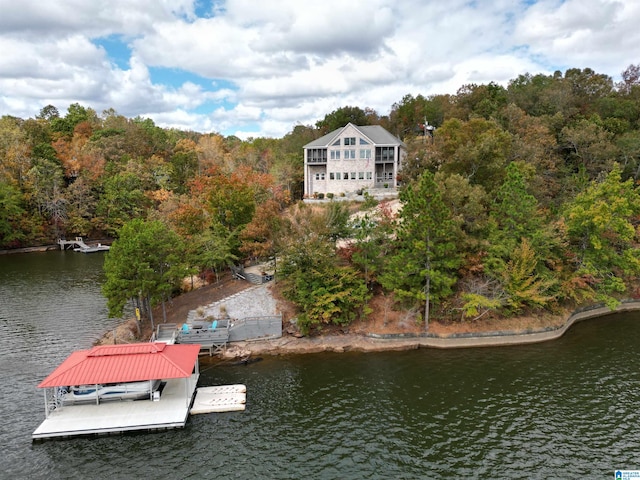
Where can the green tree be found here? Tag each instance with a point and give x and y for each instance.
(423, 266)
(478, 150)
(408, 117)
(144, 264)
(590, 148)
(12, 214)
(371, 242)
(600, 224)
(184, 165)
(76, 114)
(311, 277)
(213, 250)
(513, 216)
(340, 117)
(521, 281)
(123, 200)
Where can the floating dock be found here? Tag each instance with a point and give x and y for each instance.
(222, 398)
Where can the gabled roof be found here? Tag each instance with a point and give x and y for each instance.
(377, 134)
(124, 363)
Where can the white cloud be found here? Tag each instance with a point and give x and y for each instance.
(273, 64)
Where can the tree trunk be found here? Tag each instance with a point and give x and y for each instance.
(136, 303)
(153, 327)
(426, 305)
(427, 291)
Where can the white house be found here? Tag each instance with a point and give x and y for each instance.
(352, 158)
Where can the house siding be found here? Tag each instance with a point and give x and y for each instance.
(352, 152)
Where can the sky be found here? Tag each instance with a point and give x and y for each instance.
(258, 68)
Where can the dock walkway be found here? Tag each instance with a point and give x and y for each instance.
(77, 243)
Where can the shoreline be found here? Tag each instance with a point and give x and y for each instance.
(385, 343)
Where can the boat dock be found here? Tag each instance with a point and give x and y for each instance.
(167, 407)
(78, 245)
(171, 410)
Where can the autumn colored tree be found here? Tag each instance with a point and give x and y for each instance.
(260, 238)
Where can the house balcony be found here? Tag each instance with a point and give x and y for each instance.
(384, 159)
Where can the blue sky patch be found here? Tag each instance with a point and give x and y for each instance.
(117, 49)
(175, 77)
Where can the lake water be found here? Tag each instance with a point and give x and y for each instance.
(564, 409)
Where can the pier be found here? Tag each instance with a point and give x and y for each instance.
(78, 245)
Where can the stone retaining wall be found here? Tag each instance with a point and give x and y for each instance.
(379, 343)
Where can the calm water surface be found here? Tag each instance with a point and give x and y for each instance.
(566, 409)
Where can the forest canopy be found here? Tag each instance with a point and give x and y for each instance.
(520, 197)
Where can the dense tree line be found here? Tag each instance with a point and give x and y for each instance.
(521, 197)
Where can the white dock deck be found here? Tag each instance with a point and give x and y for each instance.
(171, 411)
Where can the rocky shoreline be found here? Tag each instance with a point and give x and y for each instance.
(289, 345)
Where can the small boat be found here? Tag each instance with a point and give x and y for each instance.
(113, 391)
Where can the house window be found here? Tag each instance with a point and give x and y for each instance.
(337, 175)
(317, 155)
(369, 176)
(346, 175)
(384, 154)
(335, 154)
(332, 176)
(363, 142)
(336, 143)
(353, 175)
(349, 154)
(360, 175)
(319, 176)
(350, 141)
(365, 153)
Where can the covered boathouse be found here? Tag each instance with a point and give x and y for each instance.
(166, 405)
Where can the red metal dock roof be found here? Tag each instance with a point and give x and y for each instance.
(124, 363)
